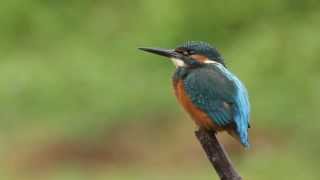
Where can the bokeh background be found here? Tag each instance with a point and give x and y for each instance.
(79, 101)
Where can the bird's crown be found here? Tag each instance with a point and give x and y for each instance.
(202, 48)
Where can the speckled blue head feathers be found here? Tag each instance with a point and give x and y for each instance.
(203, 48)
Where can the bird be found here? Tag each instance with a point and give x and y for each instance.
(210, 93)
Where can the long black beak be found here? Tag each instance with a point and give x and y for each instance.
(162, 52)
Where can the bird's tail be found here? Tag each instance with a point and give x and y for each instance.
(235, 135)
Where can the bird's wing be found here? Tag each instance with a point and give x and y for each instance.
(212, 92)
(221, 95)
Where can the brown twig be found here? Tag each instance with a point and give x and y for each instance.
(217, 155)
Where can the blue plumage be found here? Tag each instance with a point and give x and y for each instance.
(203, 48)
(221, 95)
(241, 106)
(214, 97)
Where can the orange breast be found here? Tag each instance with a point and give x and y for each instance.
(200, 117)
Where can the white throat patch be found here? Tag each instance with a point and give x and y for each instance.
(178, 62)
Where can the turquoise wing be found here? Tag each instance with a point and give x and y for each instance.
(222, 96)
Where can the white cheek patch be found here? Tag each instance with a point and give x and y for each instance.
(209, 61)
(178, 62)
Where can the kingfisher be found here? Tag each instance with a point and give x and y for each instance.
(210, 93)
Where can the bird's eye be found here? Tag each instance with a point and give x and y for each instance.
(186, 53)
(190, 52)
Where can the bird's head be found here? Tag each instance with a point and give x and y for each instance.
(191, 54)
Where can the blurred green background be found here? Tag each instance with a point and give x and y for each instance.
(79, 101)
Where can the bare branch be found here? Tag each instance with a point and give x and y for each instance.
(217, 155)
